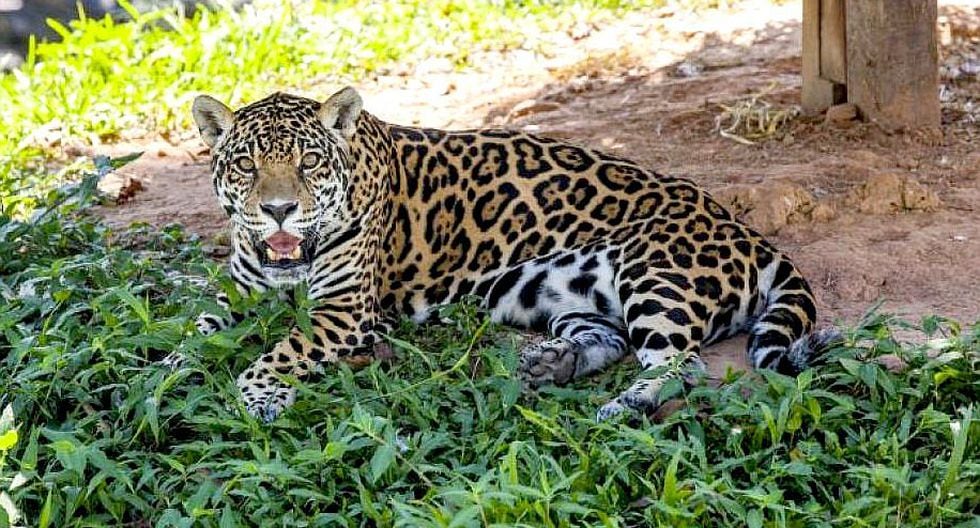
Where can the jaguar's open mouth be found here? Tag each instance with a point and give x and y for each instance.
(284, 250)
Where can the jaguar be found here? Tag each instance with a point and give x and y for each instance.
(384, 222)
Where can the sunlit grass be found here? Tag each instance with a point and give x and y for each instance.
(103, 80)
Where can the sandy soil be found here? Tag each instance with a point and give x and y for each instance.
(869, 215)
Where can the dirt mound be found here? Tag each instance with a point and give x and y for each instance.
(893, 193)
(773, 204)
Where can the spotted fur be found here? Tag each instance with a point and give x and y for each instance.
(605, 255)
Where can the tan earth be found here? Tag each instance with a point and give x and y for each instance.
(869, 215)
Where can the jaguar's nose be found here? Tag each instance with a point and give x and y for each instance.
(279, 211)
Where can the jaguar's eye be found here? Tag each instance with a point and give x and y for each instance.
(245, 164)
(309, 160)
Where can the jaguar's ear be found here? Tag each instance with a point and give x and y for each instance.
(213, 118)
(341, 111)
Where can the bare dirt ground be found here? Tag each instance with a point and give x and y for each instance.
(868, 214)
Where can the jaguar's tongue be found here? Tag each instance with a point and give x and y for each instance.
(283, 245)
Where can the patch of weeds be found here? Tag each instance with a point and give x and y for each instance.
(754, 119)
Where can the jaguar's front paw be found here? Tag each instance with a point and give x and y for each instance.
(265, 397)
(546, 363)
(642, 397)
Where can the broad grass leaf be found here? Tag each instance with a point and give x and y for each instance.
(139, 307)
(384, 457)
(44, 519)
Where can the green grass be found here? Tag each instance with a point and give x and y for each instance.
(441, 437)
(94, 433)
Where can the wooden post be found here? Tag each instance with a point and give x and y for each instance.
(824, 54)
(893, 61)
(880, 55)
(833, 41)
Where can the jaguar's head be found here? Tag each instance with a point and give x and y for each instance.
(281, 171)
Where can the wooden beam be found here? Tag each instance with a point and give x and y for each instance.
(818, 93)
(893, 62)
(833, 42)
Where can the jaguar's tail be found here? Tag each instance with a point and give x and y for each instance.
(782, 338)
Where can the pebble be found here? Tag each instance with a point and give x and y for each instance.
(842, 113)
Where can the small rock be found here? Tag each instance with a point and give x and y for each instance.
(119, 187)
(842, 113)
